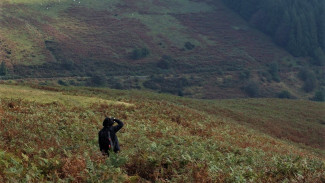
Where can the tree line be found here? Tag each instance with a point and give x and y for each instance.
(296, 25)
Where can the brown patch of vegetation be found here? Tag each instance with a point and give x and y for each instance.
(74, 167)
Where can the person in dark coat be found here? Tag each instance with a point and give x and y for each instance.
(108, 126)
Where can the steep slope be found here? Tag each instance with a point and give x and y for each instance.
(165, 138)
(203, 42)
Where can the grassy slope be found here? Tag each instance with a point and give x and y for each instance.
(95, 34)
(164, 138)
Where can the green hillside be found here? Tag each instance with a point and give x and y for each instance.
(50, 134)
(199, 49)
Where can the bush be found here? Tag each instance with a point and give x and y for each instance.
(72, 82)
(274, 71)
(251, 89)
(245, 74)
(97, 80)
(173, 85)
(309, 78)
(60, 82)
(319, 57)
(319, 96)
(189, 46)
(140, 53)
(267, 76)
(310, 84)
(285, 94)
(3, 69)
(165, 62)
(67, 65)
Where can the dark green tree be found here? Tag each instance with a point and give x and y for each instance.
(251, 89)
(3, 69)
(297, 25)
(285, 94)
(319, 57)
(319, 96)
(140, 53)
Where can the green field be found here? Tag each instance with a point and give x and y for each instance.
(50, 134)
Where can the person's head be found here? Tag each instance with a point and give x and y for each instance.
(108, 122)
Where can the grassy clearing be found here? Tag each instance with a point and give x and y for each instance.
(165, 139)
(166, 26)
(44, 97)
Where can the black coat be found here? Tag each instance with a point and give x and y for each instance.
(113, 130)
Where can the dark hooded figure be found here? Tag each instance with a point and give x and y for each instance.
(109, 133)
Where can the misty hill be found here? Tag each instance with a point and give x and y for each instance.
(50, 134)
(200, 49)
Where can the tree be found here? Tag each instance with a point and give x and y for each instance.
(319, 57)
(3, 69)
(274, 71)
(97, 80)
(297, 25)
(251, 89)
(140, 53)
(319, 96)
(285, 94)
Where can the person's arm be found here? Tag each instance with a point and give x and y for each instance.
(118, 126)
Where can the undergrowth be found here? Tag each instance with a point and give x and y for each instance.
(164, 140)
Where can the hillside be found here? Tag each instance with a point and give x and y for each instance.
(199, 49)
(50, 134)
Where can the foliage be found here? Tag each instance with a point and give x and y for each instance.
(296, 25)
(165, 138)
(63, 83)
(309, 78)
(274, 71)
(285, 94)
(3, 69)
(97, 80)
(189, 46)
(173, 85)
(251, 89)
(319, 96)
(165, 62)
(140, 53)
(246, 74)
(319, 57)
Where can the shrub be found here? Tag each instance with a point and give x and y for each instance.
(304, 74)
(60, 82)
(319, 96)
(267, 75)
(251, 89)
(319, 57)
(309, 78)
(72, 82)
(67, 65)
(165, 62)
(140, 53)
(97, 80)
(285, 94)
(3, 69)
(245, 74)
(189, 46)
(310, 84)
(274, 71)
(174, 85)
